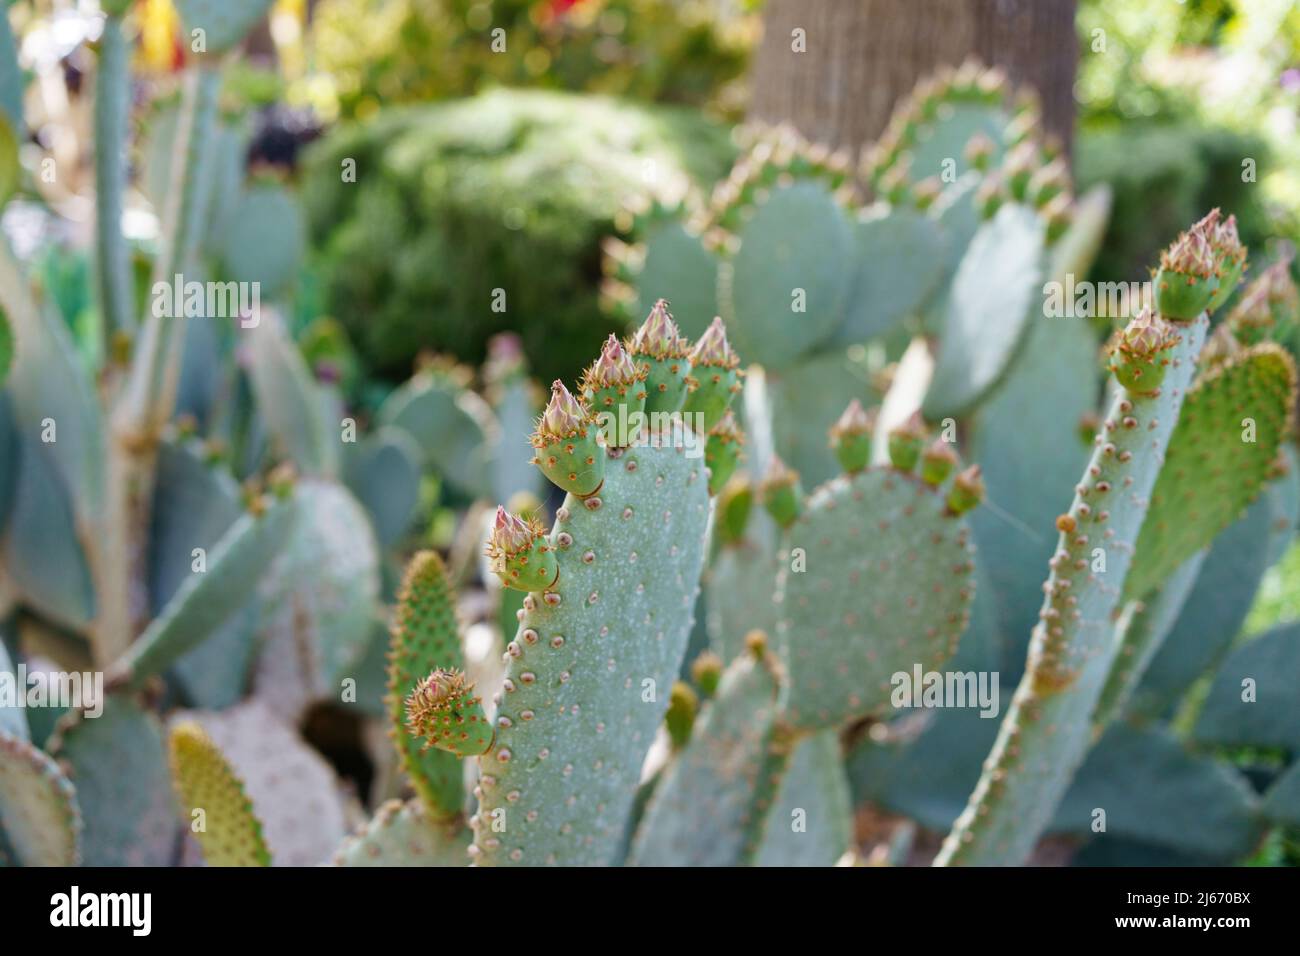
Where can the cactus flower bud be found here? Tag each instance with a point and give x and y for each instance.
(937, 462)
(614, 388)
(967, 490)
(714, 376)
(979, 151)
(1187, 278)
(1019, 168)
(989, 196)
(683, 705)
(1048, 182)
(735, 502)
(706, 671)
(445, 712)
(1059, 213)
(722, 452)
(569, 448)
(905, 443)
(781, 494)
(659, 347)
(851, 437)
(520, 554)
(1231, 260)
(1141, 354)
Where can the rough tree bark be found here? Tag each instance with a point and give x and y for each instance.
(863, 55)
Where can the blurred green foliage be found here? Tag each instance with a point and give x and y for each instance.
(1165, 176)
(510, 191)
(1174, 97)
(369, 54)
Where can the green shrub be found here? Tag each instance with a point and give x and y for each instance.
(1165, 175)
(667, 51)
(509, 190)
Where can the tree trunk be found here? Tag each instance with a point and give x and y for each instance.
(862, 56)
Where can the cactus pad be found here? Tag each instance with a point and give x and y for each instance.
(889, 584)
(118, 763)
(676, 260)
(591, 668)
(38, 806)
(798, 241)
(425, 636)
(231, 834)
(705, 812)
(995, 295)
(1211, 473)
(811, 822)
(403, 834)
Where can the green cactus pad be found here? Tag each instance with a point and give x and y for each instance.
(958, 217)
(229, 831)
(799, 239)
(676, 262)
(943, 140)
(1254, 700)
(589, 673)
(1154, 790)
(811, 823)
(266, 239)
(1181, 295)
(225, 22)
(888, 584)
(292, 790)
(49, 383)
(404, 834)
(42, 555)
(1213, 613)
(1052, 383)
(1047, 730)
(118, 764)
(38, 806)
(426, 636)
(384, 475)
(194, 504)
(516, 410)
(807, 399)
(899, 261)
(704, 812)
(1211, 474)
(204, 602)
(317, 601)
(996, 295)
(290, 401)
(739, 587)
(1075, 252)
(452, 425)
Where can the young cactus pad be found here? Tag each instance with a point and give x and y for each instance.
(425, 635)
(880, 580)
(231, 835)
(1047, 731)
(38, 806)
(590, 671)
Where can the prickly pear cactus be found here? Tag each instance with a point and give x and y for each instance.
(1046, 734)
(38, 806)
(881, 579)
(231, 835)
(589, 672)
(711, 808)
(404, 834)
